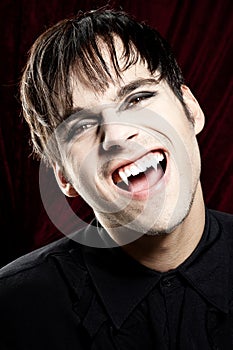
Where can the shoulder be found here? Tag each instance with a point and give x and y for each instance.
(45, 284)
(224, 219)
(224, 222)
(42, 281)
(33, 260)
(38, 270)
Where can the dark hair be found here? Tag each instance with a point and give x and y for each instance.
(72, 46)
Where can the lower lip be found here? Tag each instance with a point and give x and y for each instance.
(151, 190)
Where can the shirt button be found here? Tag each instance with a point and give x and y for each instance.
(166, 282)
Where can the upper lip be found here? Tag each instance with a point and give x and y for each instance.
(131, 159)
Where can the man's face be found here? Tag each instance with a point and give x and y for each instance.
(131, 153)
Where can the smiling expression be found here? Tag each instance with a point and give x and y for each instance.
(131, 152)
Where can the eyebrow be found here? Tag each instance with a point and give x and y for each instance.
(133, 85)
(125, 90)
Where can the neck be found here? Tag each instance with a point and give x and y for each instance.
(168, 251)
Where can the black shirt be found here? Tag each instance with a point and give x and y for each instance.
(68, 296)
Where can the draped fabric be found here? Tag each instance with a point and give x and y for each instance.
(200, 33)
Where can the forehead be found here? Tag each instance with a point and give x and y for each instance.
(85, 95)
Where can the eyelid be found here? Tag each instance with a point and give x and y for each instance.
(146, 94)
(80, 123)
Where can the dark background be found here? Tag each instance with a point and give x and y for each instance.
(200, 32)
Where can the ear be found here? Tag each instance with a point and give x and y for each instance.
(194, 108)
(63, 183)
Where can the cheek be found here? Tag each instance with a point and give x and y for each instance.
(82, 167)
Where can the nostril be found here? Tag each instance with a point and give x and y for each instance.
(112, 147)
(131, 136)
(115, 138)
(115, 147)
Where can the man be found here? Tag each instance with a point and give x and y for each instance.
(108, 109)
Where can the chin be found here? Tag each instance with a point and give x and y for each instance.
(161, 231)
(167, 228)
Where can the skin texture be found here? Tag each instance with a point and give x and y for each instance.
(160, 224)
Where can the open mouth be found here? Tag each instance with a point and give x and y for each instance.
(141, 174)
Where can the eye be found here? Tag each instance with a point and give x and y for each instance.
(80, 128)
(135, 99)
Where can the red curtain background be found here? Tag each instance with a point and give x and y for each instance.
(200, 33)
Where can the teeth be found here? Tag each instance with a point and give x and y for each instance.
(134, 170)
(140, 166)
(154, 162)
(160, 156)
(148, 160)
(127, 172)
(143, 163)
(123, 177)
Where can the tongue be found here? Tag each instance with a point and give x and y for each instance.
(143, 182)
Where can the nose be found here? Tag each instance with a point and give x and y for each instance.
(115, 133)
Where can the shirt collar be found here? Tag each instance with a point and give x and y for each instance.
(207, 269)
(122, 283)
